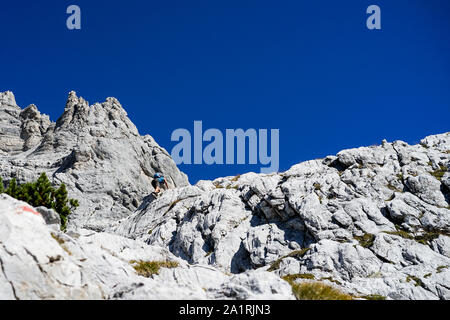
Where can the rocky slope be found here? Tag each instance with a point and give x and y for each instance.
(370, 221)
(39, 262)
(95, 150)
(374, 220)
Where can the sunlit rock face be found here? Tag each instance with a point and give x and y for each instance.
(38, 262)
(95, 150)
(371, 221)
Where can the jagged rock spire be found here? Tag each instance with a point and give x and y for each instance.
(7, 99)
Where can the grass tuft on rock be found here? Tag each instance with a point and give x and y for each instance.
(366, 240)
(236, 178)
(441, 269)
(425, 238)
(314, 290)
(439, 173)
(417, 281)
(374, 297)
(391, 187)
(172, 205)
(57, 238)
(150, 268)
(292, 277)
(298, 254)
(401, 233)
(331, 280)
(61, 242)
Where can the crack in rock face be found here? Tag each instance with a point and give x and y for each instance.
(370, 221)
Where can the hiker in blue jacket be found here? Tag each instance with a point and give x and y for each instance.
(158, 182)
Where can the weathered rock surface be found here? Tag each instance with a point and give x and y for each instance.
(95, 150)
(374, 220)
(38, 262)
(10, 124)
(371, 221)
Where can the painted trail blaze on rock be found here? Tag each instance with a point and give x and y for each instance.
(23, 209)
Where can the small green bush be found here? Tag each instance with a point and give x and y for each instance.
(41, 193)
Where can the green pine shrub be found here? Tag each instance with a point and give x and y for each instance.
(41, 193)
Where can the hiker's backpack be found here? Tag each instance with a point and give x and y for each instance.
(158, 176)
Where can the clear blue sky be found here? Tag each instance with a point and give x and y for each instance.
(309, 68)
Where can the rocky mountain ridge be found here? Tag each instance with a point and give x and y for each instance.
(95, 150)
(372, 221)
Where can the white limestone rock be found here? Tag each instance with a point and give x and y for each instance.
(371, 220)
(95, 150)
(366, 223)
(34, 265)
(39, 263)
